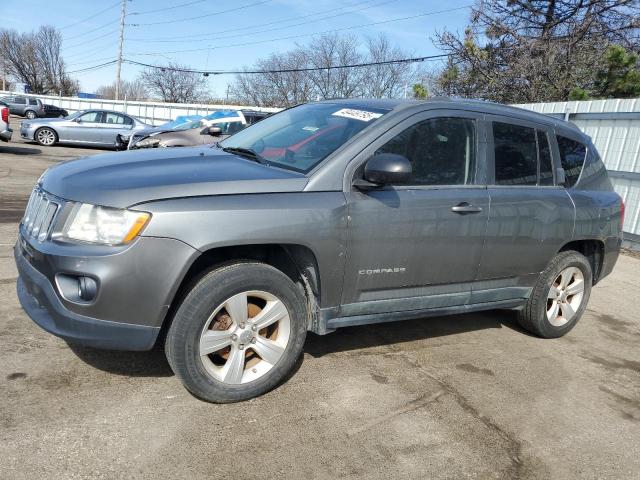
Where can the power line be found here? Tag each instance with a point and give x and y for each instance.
(156, 10)
(289, 70)
(247, 27)
(84, 42)
(290, 37)
(93, 30)
(94, 67)
(261, 2)
(90, 17)
(247, 33)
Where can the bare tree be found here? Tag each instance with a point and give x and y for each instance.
(330, 51)
(308, 72)
(131, 90)
(36, 59)
(385, 80)
(173, 84)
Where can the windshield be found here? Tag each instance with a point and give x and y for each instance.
(180, 121)
(301, 137)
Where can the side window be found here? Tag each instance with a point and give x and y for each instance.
(516, 154)
(20, 100)
(442, 151)
(33, 101)
(544, 155)
(113, 118)
(90, 117)
(127, 120)
(572, 156)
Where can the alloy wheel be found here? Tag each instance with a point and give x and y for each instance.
(245, 337)
(46, 137)
(565, 296)
(31, 115)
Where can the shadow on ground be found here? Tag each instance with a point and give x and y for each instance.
(14, 150)
(154, 364)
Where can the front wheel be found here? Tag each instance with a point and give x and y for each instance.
(559, 297)
(238, 332)
(46, 137)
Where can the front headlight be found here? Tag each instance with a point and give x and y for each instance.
(26, 125)
(103, 225)
(148, 142)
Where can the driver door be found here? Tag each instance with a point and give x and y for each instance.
(86, 128)
(411, 246)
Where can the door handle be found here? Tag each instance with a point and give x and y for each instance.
(465, 207)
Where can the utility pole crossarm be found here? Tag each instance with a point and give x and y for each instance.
(123, 13)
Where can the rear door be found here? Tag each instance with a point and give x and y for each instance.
(417, 245)
(530, 217)
(113, 124)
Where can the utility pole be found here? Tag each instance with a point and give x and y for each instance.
(123, 13)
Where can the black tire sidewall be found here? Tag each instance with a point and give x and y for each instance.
(211, 291)
(562, 261)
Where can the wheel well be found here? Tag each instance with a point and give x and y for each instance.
(593, 250)
(296, 261)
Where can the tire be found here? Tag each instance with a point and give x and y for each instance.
(215, 319)
(30, 114)
(46, 136)
(562, 288)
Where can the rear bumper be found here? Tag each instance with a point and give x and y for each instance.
(5, 135)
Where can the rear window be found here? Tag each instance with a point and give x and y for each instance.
(572, 155)
(33, 101)
(516, 154)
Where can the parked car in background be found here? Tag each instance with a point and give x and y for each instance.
(23, 106)
(5, 131)
(205, 130)
(325, 215)
(87, 127)
(51, 111)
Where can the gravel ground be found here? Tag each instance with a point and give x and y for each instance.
(468, 396)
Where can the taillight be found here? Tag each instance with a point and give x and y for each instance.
(622, 208)
(5, 115)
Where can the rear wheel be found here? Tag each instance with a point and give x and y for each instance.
(30, 114)
(560, 296)
(238, 332)
(46, 136)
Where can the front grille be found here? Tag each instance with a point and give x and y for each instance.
(39, 215)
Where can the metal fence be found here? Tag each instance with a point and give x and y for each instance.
(614, 127)
(154, 113)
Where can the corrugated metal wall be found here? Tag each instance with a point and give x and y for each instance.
(614, 127)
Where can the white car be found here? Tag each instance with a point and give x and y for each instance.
(5, 131)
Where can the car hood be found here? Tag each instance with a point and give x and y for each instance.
(124, 179)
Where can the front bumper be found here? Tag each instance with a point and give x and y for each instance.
(136, 286)
(27, 133)
(5, 135)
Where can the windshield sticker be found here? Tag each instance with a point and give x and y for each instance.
(311, 129)
(354, 114)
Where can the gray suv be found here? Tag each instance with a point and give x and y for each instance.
(326, 215)
(24, 106)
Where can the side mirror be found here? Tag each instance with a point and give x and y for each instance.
(213, 131)
(77, 120)
(383, 169)
(560, 176)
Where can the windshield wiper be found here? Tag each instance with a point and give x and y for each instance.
(247, 153)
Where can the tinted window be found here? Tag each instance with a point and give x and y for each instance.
(90, 117)
(441, 151)
(572, 155)
(33, 101)
(516, 154)
(113, 118)
(20, 100)
(544, 155)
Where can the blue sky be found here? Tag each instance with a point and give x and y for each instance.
(216, 29)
